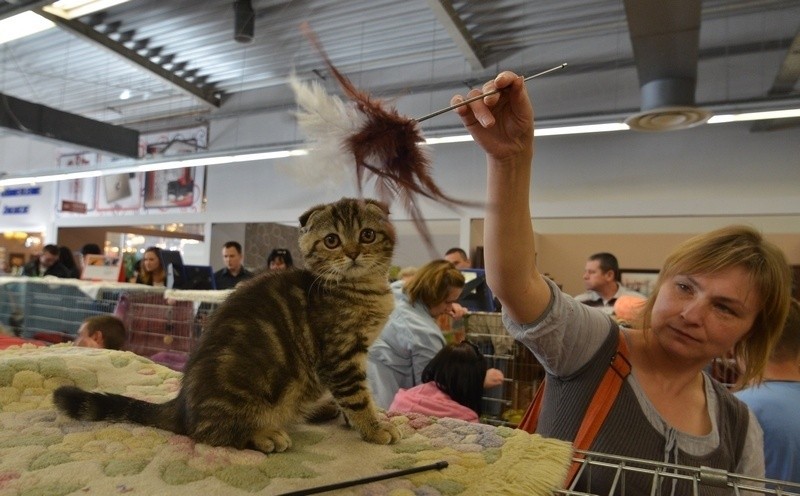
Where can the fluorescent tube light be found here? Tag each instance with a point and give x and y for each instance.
(229, 157)
(755, 116)
(22, 25)
(461, 138)
(548, 131)
(146, 166)
(588, 128)
(28, 23)
(70, 9)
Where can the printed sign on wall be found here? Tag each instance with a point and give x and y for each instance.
(179, 189)
(76, 195)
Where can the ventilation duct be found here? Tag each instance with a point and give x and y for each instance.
(665, 38)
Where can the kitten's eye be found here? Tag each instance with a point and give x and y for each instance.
(367, 236)
(332, 241)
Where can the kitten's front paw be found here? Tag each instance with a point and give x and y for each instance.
(272, 441)
(384, 433)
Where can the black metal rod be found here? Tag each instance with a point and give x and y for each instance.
(366, 480)
(478, 97)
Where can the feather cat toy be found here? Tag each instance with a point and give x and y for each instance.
(378, 140)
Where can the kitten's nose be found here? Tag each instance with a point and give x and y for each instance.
(352, 253)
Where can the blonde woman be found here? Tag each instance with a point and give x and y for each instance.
(411, 337)
(728, 289)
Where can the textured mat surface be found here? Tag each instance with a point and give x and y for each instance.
(42, 452)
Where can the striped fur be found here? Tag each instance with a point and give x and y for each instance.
(281, 344)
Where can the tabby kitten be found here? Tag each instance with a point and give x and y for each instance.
(281, 343)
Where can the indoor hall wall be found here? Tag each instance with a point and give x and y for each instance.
(563, 245)
(710, 170)
(718, 169)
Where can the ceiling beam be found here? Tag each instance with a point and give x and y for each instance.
(785, 80)
(8, 9)
(207, 95)
(33, 119)
(448, 17)
(789, 72)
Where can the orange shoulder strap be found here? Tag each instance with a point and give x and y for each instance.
(596, 413)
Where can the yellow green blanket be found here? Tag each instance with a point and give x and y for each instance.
(45, 453)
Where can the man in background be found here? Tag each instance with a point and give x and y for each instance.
(601, 279)
(234, 272)
(102, 331)
(458, 257)
(773, 400)
(47, 264)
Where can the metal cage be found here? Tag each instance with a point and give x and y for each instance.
(506, 404)
(662, 474)
(523, 374)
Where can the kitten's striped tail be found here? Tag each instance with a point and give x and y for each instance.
(82, 405)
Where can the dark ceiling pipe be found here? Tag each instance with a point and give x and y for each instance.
(244, 18)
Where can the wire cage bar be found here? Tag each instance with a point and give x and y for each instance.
(49, 310)
(505, 404)
(661, 476)
(523, 375)
(157, 325)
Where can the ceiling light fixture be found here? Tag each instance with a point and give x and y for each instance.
(546, 131)
(22, 25)
(253, 154)
(755, 116)
(130, 166)
(70, 9)
(28, 23)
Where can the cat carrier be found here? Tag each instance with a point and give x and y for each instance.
(50, 309)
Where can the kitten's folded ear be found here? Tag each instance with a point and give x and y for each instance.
(307, 215)
(384, 207)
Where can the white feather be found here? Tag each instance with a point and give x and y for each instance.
(327, 122)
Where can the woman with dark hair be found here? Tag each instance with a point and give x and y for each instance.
(66, 257)
(279, 259)
(452, 385)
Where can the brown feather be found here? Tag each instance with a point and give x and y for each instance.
(387, 146)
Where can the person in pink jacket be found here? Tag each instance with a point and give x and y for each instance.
(452, 385)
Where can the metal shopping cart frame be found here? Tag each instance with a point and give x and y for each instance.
(522, 376)
(699, 477)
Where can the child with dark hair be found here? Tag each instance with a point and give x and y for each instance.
(452, 385)
(279, 259)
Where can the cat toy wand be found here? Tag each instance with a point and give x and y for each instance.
(482, 95)
(366, 480)
(382, 144)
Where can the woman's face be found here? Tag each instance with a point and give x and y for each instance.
(446, 307)
(701, 316)
(150, 261)
(277, 264)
